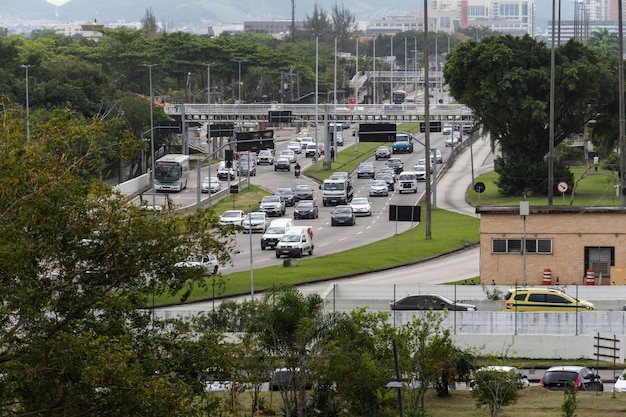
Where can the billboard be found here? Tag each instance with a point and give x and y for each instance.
(377, 132)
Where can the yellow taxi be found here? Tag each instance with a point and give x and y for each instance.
(543, 299)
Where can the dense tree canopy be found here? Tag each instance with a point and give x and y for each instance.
(506, 82)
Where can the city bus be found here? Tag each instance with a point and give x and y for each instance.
(171, 172)
(398, 97)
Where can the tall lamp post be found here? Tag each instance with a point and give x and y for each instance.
(317, 146)
(152, 135)
(239, 62)
(208, 135)
(26, 67)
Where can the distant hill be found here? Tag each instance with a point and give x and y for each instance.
(203, 13)
(196, 12)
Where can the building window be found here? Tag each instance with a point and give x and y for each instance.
(600, 259)
(533, 246)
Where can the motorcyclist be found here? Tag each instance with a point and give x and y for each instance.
(296, 170)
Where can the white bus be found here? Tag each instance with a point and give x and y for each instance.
(171, 172)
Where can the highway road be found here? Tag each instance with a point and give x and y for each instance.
(451, 189)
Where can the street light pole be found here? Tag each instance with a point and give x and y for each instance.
(317, 159)
(239, 123)
(26, 67)
(152, 135)
(208, 135)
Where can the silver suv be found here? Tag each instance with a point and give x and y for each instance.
(273, 205)
(382, 152)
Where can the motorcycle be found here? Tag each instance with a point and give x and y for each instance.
(297, 172)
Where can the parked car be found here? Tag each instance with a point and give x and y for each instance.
(282, 164)
(287, 196)
(430, 302)
(234, 217)
(306, 209)
(224, 173)
(522, 379)
(620, 383)
(290, 155)
(208, 262)
(303, 192)
(361, 206)
(580, 378)
(366, 170)
(265, 157)
(543, 299)
(273, 205)
(342, 215)
(378, 188)
(382, 152)
(396, 164)
(295, 146)
(257, 221)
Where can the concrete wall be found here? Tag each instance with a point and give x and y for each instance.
(134, 186)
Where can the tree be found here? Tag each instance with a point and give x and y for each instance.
(149, 22)
(604, 43)
(78, 265)
(343, 23)
(494, 389)
(284, 326)
(505, 80)
(353, 362)
(429, 357)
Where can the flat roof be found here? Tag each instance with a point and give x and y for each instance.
(551, 209)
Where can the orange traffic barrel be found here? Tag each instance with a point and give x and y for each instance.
(547, 276)
(590, 279)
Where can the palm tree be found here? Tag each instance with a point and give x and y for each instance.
(604, 43)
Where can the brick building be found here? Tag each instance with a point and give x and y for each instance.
(569, 241)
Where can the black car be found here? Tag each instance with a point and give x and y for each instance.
(286, 195)
(303, 192)
(342, 215)
(580, 378)
(366, 170)
(430, 302)
(396, 164)
(306, 209)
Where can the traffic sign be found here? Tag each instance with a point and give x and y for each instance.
(479, 187)
(562, 187)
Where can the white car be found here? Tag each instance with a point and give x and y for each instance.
(211, 184)
(361, 206)
(438, 156)
(620, 383)
(295, 146)
(523, 379)
(452, 141)
(208, 261)
(234, 217)
(289, 154)
(257, 221)
(420, 172)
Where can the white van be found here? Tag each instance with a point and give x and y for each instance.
(275, 232)
(407, 182)
(296, 241)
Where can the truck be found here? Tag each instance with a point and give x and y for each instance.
(403, 143)
(296, 241)
(336, 190)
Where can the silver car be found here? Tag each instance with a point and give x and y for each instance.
(378, 188)
(257, 221)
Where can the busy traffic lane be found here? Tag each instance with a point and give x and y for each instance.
(330, 239)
